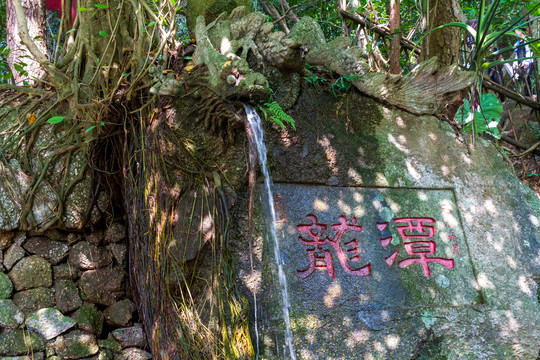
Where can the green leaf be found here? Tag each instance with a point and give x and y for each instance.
(490, 107)
(70, 31)
(38, 37)
(90, 128)
(103, 33)
(55, 120)
(152, 23)
(101, 6)
(82, 9)
(464, 116)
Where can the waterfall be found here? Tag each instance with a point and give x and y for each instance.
(257, 133)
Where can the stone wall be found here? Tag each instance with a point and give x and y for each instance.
(66, 295)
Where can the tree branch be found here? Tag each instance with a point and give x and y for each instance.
(362, 20)
(521, 146)
(27, 40)
(271, 10)
(22, 89)
(288, 11)
(493, 86)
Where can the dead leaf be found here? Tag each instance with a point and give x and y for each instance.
(32, 118)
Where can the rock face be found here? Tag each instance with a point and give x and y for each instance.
(129, 337)
(32, 300)
(49, 322)
(421, 248)
(67, 295)
(88, 256)
(31, 272)
(76, 345)
(119, 313)
(102, 286)
(10, 315)
(53, 251)
(20, 342)
(6, 287)
(90, 319)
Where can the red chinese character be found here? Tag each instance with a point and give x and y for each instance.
(415, 228)
(424, 248)
(320, 259)
(455, 249)
(385, 241)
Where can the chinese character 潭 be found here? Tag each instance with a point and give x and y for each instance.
(416, 228)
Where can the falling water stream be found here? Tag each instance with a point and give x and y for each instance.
(258, 137)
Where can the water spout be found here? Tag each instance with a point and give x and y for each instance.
(255, 125)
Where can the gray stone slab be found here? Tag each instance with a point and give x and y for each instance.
(361, 261)
(365, 249)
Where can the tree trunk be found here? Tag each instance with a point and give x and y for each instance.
(395, 43)
(22, 65)
(444, 43)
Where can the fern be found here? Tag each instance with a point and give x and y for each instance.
(274, 113)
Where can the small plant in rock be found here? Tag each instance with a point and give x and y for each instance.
(343, 84)
(485, 118)
(274, 113)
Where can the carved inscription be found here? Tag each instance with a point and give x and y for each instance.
(417, 233)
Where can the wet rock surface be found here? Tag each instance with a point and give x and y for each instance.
(63, 295)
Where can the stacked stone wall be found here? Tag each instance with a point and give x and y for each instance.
(66, 295)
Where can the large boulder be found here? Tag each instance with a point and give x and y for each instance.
(395, 239)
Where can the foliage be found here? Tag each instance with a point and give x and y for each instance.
(486, 117)
(5, 72)
(274, 113)
(343, 84)
(486, 35)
